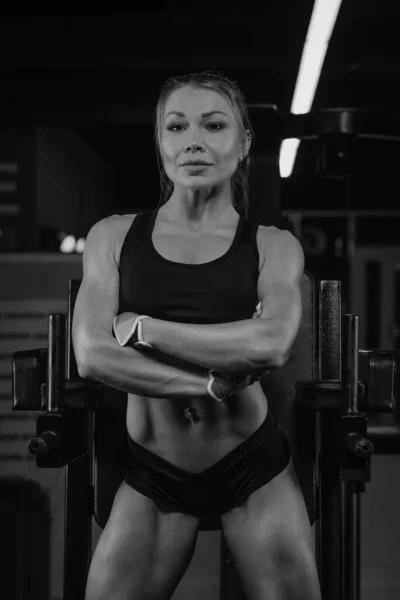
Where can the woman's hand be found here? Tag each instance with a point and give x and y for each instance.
(123, 328)
(258, 312)
(232, 384)
(224, 386)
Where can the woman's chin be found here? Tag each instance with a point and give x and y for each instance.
(196, 183)
(197, 188)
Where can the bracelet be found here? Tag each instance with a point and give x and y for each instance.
(140, 341)
(133, 336)
(209, 386)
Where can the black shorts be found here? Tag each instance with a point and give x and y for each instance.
(218, 489)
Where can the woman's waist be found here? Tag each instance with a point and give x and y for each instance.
(195, 434)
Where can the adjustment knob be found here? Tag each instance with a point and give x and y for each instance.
(44, 443)
(358, 445)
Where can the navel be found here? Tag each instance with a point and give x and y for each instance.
(191, 415)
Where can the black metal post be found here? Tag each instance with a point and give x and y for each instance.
(350, 536)
(350, 364)
(328, 532)
(77, 524)
(357, 537)
(56, 363)
(330, 512)
(77, 532)
(351, 500)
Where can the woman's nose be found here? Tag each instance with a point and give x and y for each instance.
(193, 146)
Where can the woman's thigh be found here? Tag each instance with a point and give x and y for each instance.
(142, 552)
(271, 542)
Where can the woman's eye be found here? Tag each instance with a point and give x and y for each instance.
(215, 126)
(173, 127)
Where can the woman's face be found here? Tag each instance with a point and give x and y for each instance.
(199, 125)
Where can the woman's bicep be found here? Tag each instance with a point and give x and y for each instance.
(98, 297)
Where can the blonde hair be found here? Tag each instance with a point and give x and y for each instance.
(217, 82)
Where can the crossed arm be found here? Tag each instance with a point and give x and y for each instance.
(251, 345)
(183, 353)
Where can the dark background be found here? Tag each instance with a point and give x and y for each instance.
(84, 88)
(100, 76)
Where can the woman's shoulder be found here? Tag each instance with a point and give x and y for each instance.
(119, 220)
(270, 232)
(110, 232)
(272, 241)
(114, 225)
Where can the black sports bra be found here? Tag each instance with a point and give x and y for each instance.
(220, 291)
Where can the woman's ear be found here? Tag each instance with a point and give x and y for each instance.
(246, 144)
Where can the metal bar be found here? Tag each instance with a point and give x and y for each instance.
(349, 388)
(352, 542)
(350, 245)
(346, 535)
(385, 438)
(77, 528)
(373, 302)
(350, 377)
(349, 364)
(318, 548)
(356, 558)
(56, 363)
(330, 517)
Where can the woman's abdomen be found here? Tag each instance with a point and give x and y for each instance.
(196, 439)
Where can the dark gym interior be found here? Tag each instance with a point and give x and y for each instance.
(77, 101)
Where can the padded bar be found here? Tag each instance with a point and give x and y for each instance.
(385, 438)
(29, 371)
(377, 369)
(329, 330)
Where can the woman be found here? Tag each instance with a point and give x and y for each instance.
(201, 439)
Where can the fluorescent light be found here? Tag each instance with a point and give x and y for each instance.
(322, 22)
(287, 156)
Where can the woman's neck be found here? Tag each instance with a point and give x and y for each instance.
(198, 214)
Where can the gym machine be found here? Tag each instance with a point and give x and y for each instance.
(322, 398)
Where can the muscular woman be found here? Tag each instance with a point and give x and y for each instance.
(222, 301)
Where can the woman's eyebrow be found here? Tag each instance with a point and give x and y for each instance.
(203, 115)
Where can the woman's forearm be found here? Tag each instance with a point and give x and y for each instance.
(229, 348)
(154, 375)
